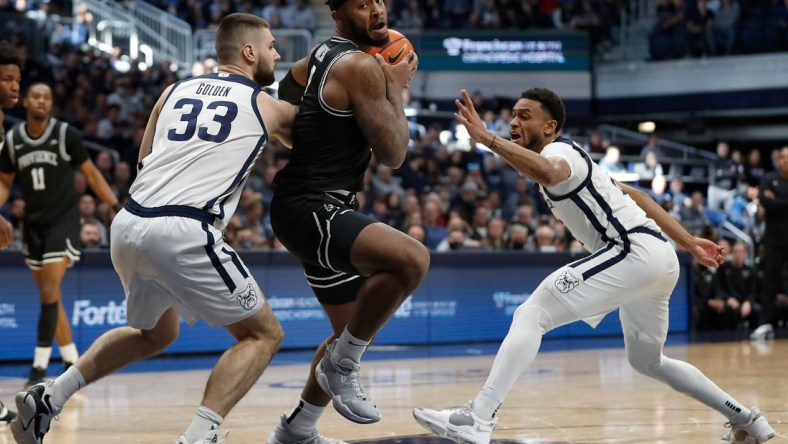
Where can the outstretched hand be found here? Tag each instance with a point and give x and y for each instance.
(467, 115)
(707, 252)
(6, 233)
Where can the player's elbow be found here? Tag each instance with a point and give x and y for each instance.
(391, 160)
(550, 177)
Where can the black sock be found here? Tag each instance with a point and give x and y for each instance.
(47, 322)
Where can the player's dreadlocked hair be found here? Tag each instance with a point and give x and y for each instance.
(550, 102)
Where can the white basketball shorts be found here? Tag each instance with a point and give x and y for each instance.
(638, 280)
(183, 263)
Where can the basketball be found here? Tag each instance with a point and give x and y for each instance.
(395, 50)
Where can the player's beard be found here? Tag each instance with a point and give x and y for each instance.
(263, 74)
(361, 36)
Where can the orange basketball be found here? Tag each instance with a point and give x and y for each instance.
(395, 50)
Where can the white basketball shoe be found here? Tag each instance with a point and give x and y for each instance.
(458, 424)
(339, 379)
(35, 413)
(212, 437)
(756, 431)
(283, 435)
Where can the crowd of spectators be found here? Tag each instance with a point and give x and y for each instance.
(699, 28)
(448, 194)
(732, 296)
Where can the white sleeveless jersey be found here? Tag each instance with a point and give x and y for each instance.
(589, 203)
(208, 136)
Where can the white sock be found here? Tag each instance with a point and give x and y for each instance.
(41, 357)
(65, 386)
(486, 403)
(684, 378)
(302, 421)
(349, 346)
(69, 353)
(204, 421)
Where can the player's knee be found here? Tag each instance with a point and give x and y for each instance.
(276, 335)
(49, 293)
(532, 317)
(159, 340)
(270, 332)
(644, 361)
(414, 268)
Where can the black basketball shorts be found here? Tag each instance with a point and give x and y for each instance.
(320, 229)
(51, 241)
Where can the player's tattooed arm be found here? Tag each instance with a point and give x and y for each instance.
(378, 111)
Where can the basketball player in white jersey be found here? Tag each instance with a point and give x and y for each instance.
(10, 78)
(632, 267)
(203, 137)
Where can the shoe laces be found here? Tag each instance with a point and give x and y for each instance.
(358, 388)
(351, 373)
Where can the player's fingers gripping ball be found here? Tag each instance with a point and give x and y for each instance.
(395, 50)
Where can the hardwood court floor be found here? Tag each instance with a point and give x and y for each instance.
(576, 396)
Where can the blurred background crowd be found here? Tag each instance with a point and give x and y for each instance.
(449, 194)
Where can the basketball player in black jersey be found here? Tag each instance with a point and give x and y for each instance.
(41, 155)
(10, 77)
(359, 269)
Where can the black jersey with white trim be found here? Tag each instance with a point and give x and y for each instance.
(329, 150)
(44, 167)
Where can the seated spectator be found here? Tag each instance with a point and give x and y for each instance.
(88, 214)
(612, 161)
(658, 190)
(466, 199)
(457, 236)
(481, 216)
(494, 239)
(677, 195)
(416, 232)
(595, 144)
(89, 236)
(518, 238)
(379, 210)
(121, 179)
(434, 231)
(648, 168)
(545, 239)
(384, 182)
(693, 217)
(525, 216)
(734, 303)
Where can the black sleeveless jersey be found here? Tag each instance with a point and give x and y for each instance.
(329, 150)
(44, 168)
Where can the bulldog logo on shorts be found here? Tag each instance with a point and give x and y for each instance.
(247, 298)
(566, 282)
